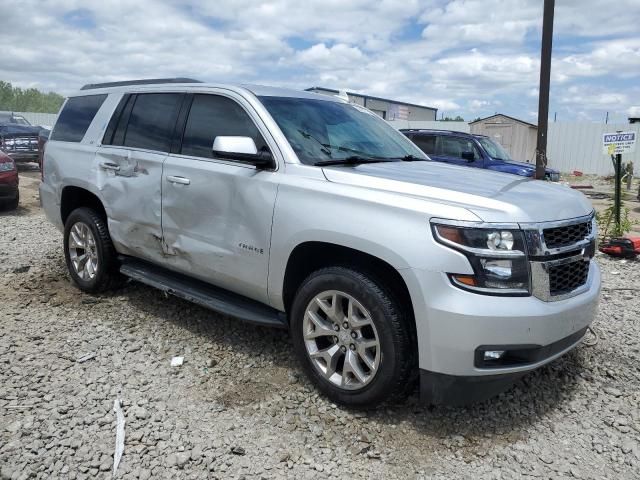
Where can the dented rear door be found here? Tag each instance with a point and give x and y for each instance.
(129, 166)
(130, 182)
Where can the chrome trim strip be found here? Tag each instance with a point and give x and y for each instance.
(558, 223)
(469, 224)
(489, 291)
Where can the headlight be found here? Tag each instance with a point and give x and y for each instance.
(7, 166)
(497, 256)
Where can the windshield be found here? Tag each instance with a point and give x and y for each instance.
(20, 120)
(326, 130)
(494, 149)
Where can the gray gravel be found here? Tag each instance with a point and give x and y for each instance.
(239, 408)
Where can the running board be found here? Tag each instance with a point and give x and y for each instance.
(202, 293)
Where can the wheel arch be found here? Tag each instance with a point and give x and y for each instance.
(310, 256)
(73, 197)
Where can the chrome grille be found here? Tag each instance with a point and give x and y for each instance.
(566, 278)
(566, 235)
(19, 144)
(559, 257)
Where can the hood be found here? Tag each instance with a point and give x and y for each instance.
(527, 169)
(12, 129)
(492, 196)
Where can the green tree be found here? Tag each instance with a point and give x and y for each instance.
(451, 119)
(17, 99)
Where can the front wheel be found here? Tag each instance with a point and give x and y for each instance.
(352, 337)
(89, 253)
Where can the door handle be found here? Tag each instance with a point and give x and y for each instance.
(110, 166)
(178, 180)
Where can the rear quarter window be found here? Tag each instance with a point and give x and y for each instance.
(75, 117)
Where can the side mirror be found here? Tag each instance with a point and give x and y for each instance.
(243, 149)
(468, 156)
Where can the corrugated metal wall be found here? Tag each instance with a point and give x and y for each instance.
(578, 146)
(45, 119)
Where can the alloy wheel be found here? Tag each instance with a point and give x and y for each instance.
(83, 251)
(341, 339)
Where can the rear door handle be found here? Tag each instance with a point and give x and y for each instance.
(178, 180)
(110, 166)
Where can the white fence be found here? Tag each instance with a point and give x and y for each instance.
(578, 146)
(570, 145)
(44, 119)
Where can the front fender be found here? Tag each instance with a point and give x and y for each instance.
(372, 222)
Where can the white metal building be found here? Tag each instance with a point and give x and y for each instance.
(390, 110)
(516, 136)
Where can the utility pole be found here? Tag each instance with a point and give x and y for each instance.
(545, 80)
(618, 192)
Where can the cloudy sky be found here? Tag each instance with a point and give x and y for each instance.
(469, 58)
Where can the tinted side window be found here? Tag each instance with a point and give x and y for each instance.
(426, 143)
(212, 116)
(454, 146)
(75, 117)
(152, 121)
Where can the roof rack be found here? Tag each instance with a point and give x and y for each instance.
(144, 81)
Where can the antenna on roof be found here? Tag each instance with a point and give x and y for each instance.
(343, 95)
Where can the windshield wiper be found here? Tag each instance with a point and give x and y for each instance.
(412, 158)
(352, 160)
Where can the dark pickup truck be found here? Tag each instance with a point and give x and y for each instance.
(18, 139)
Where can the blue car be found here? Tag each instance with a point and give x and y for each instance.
(466, 149)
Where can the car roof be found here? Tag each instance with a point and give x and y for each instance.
(194, 85)
(433, 131)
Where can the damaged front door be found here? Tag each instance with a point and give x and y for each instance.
(217, 213)
(129, 172)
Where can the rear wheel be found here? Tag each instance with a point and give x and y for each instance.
(89, 253)
(352, 337)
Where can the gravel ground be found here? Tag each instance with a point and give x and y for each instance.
(239, 408)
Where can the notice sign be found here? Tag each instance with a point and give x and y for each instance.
(620, 142)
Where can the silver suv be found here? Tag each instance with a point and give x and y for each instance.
(305, 212)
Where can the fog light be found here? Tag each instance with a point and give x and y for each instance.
(493, 355)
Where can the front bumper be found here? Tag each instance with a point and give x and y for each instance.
(8, 191)
(457, 390)
(452, 324)
(30, 156)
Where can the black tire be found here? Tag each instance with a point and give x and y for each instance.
(13, 204)
(394, 375)
(107, 274)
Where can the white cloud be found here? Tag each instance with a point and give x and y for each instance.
(337, 56)
(475, 105)
(634, 111)
(463, 56)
